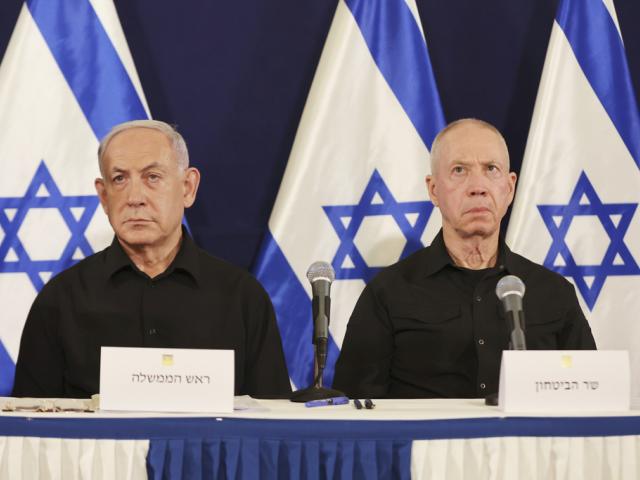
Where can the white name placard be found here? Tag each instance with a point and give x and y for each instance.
(564, 381)
(166, 380)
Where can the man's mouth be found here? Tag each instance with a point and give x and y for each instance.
(137, 220)
(478, 210)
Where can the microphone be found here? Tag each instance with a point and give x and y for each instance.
(321, 275)
(510, 290)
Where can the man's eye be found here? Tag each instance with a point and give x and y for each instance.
(118, 179)
(153, 177)
(492, 168)
(458, 169)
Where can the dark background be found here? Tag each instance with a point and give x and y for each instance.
(234, 77)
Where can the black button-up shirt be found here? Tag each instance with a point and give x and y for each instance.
(424, 327)
(105, 300)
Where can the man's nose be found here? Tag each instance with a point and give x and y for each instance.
(477, 184)
(136, 193)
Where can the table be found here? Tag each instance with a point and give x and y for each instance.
(399, 439)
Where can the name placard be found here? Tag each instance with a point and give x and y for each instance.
(564, 381)
(166, 380)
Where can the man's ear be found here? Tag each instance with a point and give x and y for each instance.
(513, 178)
(431, 189)
(102, 193)
(191, 183)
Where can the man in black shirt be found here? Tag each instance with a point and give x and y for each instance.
(431, 325)
(153, 287)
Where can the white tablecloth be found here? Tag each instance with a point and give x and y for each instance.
(485, 454)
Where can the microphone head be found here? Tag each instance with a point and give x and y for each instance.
(510, 285)
(321, 271)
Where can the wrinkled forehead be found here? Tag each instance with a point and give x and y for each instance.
(138, 145)
(473, 141)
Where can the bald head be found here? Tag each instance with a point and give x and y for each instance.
(440, 143)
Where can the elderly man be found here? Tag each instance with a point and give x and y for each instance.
(431, 325)
(152, 287)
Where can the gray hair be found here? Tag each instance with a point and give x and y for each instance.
(436, 147)
(178, 144)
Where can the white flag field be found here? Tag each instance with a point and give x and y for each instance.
(66, 78)
(575, 209)
(353, 193)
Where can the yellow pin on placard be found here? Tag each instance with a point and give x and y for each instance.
(167, 360)
(567, 361)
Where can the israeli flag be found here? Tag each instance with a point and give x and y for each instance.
(67, 77)
(353, 193)
(575, 209)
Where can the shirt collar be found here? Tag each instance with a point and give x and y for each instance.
(186, 260)
(513, 263)
(437, 257)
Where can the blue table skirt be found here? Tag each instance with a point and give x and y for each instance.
(195, 448)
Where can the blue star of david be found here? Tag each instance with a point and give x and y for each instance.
(376, 200)
(21, 205)
(617, 258)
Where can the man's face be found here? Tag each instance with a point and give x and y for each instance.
(471, 183)
(144, 192)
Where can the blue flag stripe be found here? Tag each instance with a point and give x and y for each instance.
(398, 48)
(293, 310)
(7, 372)
(88, 61)
(591, 31)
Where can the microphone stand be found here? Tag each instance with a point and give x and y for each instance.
(516, 322)
(516, 342)
(317, 391)
(320, 274)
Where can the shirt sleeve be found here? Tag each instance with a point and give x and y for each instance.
(576, 334)
(266, 370)
(364, 364)
(40, 365)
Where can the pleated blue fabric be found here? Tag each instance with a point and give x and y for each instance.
(281, 458)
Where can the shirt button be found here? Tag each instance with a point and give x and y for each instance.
(152, 331)
(482, 386)
(501, 267)
(478, 298)
(481, 341)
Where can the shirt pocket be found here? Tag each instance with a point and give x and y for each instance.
(427, 316)
(542, 330)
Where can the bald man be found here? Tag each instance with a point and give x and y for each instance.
(431, 325)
